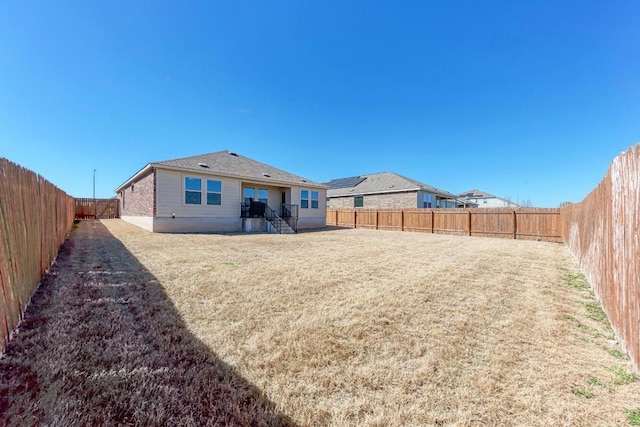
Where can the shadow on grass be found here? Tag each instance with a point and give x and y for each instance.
(101, 344)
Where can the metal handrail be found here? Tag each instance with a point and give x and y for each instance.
(275, 220)
(290, 215)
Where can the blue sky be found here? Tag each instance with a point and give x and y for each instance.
(530, 100)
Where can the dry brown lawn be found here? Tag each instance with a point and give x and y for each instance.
(338, 328)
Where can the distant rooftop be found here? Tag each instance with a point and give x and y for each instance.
(383, 182)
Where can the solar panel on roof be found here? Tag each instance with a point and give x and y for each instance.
(344, 182)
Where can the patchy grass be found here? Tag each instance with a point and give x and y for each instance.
(617, 353)
(621, 376)
(578, 281)
(595, 381)
(335, 328)
(580, 392)
(596, 312)
(633, 416)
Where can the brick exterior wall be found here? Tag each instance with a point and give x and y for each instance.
(139, 197)
(406, 200)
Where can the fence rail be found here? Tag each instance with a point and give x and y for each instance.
(97, 208)
(603, 234)
(525, 223)
(35, 218)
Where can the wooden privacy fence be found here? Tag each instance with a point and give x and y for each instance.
(529, 224)
(35, 218)
(97, 208)
(602, 232)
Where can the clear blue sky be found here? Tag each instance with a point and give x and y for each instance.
(527, 99)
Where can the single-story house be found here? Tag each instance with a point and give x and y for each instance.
(386, 190)
(220, 192)
(486, 200)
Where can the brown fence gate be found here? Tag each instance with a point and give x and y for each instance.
(88, 208)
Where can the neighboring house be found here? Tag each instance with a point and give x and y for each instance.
(220, 192)
(486, 200)
(386, 190)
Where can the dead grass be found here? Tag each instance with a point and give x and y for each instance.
(355, 327)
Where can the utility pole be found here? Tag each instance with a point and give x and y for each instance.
(95, 207)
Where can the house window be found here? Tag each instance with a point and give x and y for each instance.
(314, 200)
(214, 192)
(192, 191)
(249, 193)
(427, 200)
(304, 199)
(263, 195)
(122, 194)
(484, 201)
(358, 201)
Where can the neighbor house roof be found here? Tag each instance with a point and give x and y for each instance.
(230, 164)
(477, 194)
(376, 183)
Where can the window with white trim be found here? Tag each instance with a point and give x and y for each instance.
(304, 199)
(214, 192)
(314, 200)
(192, 191)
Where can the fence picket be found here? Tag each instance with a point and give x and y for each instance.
(35, 218)
(531, 224)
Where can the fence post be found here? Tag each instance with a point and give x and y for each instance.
(469, 222)
(402, 220)
(432, 219)
(515, 225)
(377, 212)
(355, 219)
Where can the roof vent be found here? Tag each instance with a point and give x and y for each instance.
(266, 174)
(233, 154)
(203, 165)
(303, 180)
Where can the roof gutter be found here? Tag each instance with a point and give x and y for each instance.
(137, 175)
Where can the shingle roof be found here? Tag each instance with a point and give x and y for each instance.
(226, 163)
(476, 194)
(384, 182)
